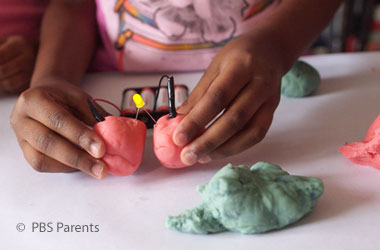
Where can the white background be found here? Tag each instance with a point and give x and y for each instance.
(131, 211)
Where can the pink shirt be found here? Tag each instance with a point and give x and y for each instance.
(21, 17)
(172, 35)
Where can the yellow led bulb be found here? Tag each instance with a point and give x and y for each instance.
(138, 101)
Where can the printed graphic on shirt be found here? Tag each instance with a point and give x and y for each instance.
(174, 35)
(185, 24)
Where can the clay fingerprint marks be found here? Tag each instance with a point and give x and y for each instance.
(367, 152)
(198, 220)
(249, 200)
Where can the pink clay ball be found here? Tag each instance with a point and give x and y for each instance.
(167, 152)
(124, 139)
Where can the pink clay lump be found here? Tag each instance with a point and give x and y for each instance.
(168, 153)
(124, 139)
(366, 152)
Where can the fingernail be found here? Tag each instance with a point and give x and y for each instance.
(97, 170)
(190, 158)
(205, 159)
(94, 147)
(180, 139)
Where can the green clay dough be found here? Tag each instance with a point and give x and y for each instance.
(301, 80)
(249, 200)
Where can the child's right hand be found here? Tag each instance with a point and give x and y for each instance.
(51, 124)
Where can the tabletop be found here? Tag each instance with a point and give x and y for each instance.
(130, 212)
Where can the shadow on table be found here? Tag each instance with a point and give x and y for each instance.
(336, 201)
(150, 164)
(341, 119)
(332, 85)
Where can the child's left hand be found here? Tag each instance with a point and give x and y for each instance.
(244, 80)
(17, 57)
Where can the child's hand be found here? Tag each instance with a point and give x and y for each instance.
(244, 79)
(17, 58)
(50, 123)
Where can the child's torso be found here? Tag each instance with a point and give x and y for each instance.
(174, 35)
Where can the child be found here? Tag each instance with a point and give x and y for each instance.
(19, 30)
(248, 45)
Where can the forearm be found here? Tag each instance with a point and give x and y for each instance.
(295, 25)
(68, 39)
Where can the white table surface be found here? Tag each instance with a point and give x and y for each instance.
(131, 211)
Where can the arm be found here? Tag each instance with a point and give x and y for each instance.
(244, 80)
(296, 24)
(68, 37)
(50, 119)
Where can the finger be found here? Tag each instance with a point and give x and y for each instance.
(81, 110)
(218, 96)
(233, 120)
(85, 114)
(11, 67)
(15, 84)
(8, 50)
(51, 144)
(64, 123)
(200, 89)
(41, 162)
(253, 133)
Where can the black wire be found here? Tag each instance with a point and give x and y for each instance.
(95, 111)
(158, 91)
(171, 94)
